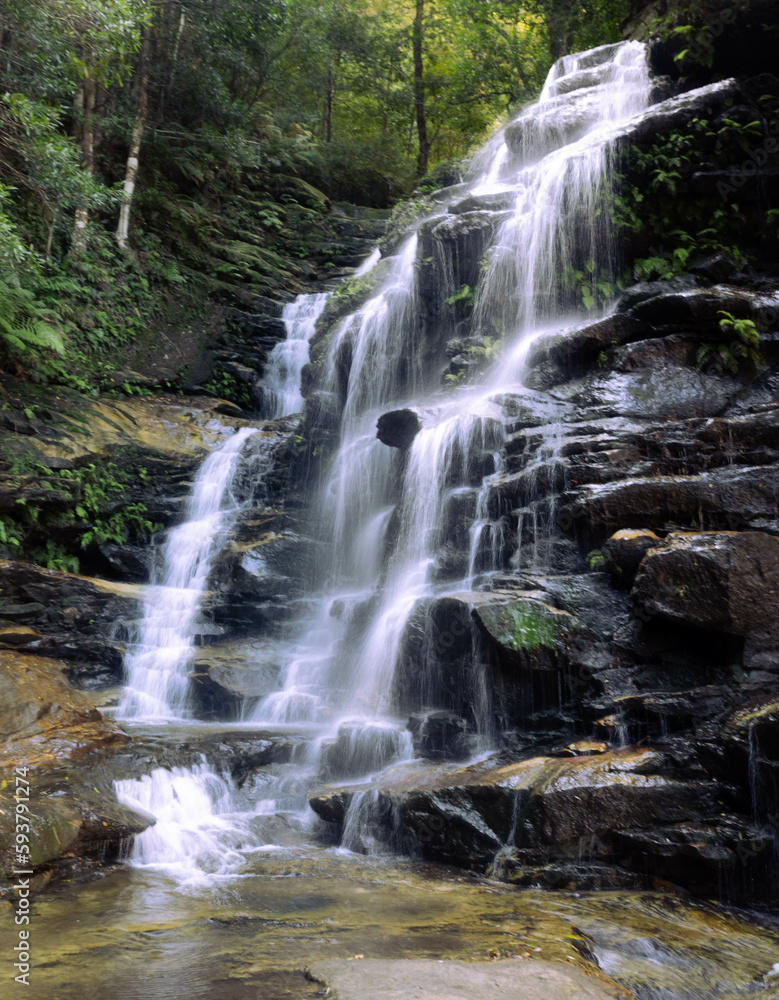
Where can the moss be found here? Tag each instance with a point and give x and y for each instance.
(530, 627)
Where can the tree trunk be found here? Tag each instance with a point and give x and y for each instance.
(559, 24)
(139, 125)
(174, 58)
(85, 103)
(419, 90)
(329, 99)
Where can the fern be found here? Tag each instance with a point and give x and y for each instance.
(27, 322)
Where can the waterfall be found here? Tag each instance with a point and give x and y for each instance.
(385, 513)
(204, 825)
(281, 383)
(547, 169)
(555, 235)
(158, 664)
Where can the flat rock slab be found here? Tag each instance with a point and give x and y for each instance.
(512, 979)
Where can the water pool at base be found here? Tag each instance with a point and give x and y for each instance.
(139, 934)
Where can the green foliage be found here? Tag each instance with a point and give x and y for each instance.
(87, 506)
(653, 200)
(11, 533)
(596, 560)
(591, 287)
(52, 555)
(742, 351)
(674, 261)
(463, 299)
(227, 386)
(27, 324)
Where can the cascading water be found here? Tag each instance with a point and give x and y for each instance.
(385, 513)
(548, 167)
(157, 667)
(281, 384)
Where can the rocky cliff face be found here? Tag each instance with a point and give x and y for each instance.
(623, 659)
(631, 643)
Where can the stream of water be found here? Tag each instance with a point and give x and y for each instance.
(384, 517)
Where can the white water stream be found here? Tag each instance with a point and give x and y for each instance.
(553, 175)
(281, 386)
(158, 665)
(385, 516)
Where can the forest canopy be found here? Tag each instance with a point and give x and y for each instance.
(126, 126)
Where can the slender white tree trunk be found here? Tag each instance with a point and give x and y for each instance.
(131, 171)
(85, 103)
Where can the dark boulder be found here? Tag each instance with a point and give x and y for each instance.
(725, 581)
(623, 552)
(398, 428)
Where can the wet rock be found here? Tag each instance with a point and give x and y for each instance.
(675, 113)
(450, 252)
(580, 748)
(128, 562)
(229, 678)
(573, 351)
(517, 869)
(498, 202)
(270, 568)
(704, 856)
(669, 391)
(434, 667)
(264, 325)
(527, 632)
(398, 428)
(645, 290)
(696, 307)
(623, 552)
(71, 820)
(440, 736)
(79, 618)
(36, 700)
(716, 268)
(362, 747)
(563, 806)
(240, 752)
(753, 728)
(725, 581)
(13, 636)
(673, 711)
(384, 979)
(744, 497)
(161, 427)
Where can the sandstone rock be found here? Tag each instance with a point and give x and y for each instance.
(384, 979)
(720, 499)
(701, 856)
(725, 581)
(12, 636)
(80, 821)
(230, 677)
(624, 551)
(565, 806)
(580, 348)
(79, 618)
(362, 747)
(696, 307)
(527, 632)
(177, 432)
(36, 700)
(440, 735)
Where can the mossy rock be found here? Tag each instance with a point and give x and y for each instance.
(527, 632)
(301, 191)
